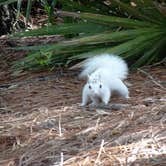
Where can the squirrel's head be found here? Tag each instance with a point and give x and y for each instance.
(95, 85)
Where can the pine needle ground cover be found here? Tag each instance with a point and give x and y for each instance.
(42, 124)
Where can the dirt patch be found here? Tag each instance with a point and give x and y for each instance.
(41, 122)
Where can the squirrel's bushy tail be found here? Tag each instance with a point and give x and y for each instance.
(116, 66)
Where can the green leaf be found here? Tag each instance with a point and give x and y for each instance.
(150, 9)
(150, 54)
(18, 8)
(121, 48)
(134, 10)
(64, 29)
(28, 10)
(93, 39)
(7, 2)
(118, 21)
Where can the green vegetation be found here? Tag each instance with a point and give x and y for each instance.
(136, 31)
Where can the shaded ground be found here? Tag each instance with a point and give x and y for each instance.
(41, 122)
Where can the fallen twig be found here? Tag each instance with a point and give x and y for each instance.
(153, 80)
(99, 153)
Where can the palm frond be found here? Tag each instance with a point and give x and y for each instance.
(151, 53)
(7, 2)
(28, 10)
(95, 39)
(134, 38)
(116, 21)
(122, 48)
(144, 10)
(18, 7)
(64, 29)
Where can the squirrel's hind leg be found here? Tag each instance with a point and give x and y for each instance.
(122, 89)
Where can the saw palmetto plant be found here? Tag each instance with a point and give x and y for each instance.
(135, 30)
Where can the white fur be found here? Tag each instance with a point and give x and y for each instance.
(114, 65)
(104, 74)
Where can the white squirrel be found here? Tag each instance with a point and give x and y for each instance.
(104, 74)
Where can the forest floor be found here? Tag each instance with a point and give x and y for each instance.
(42, 124)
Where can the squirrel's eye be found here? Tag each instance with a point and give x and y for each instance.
(90, 87)
(100, 86)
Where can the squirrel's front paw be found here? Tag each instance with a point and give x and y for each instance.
(82, 104)
(127, 97)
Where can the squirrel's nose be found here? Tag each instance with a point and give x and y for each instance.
(95, 92)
